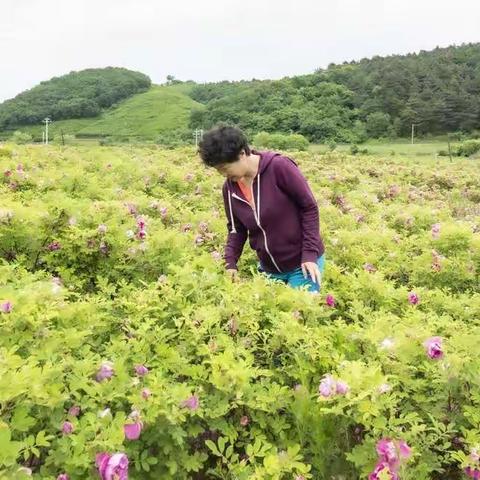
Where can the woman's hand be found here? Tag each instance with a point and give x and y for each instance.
(233, 274)
(312, 269)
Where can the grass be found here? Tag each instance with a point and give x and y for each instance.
(403, 147)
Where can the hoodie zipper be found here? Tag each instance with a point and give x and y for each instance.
(257, 219)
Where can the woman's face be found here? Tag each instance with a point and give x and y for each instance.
(234, 171)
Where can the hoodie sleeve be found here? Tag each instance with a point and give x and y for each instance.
(291, 180)
(237, 234)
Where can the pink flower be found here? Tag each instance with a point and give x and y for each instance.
(6, 307)
(53, 246)
(368, 267)
(327, 386)
(472, 472)
(435, 231)
(199, 240)
(383, 471)
(244, 421)
(74, 411)
(141, 370)
(146, 393)
(433, 347)
(192, 403)
(299, 477)
(105, 371)
(67, 428)
(132, 430)
(142, 234)
(63, 476)
(413, 298)
(216, 255)
(131, 208)
(141, 223)
(391, 452)
(163, 212)
(186, 227)
(330, 300)
(7, 173)
(342, 388)
(112, 467)
(474, 455)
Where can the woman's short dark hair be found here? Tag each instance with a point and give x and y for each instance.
(222, 144)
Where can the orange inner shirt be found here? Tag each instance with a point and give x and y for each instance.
(247, 192)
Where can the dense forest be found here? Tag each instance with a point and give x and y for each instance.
(438, 91)
(75, 95)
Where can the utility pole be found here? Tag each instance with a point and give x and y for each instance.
(198, 134)
(413, 131)
(46, 121)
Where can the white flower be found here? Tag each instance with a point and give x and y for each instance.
(387, 344)
(130, 233)
(384, 388)
(104, 413)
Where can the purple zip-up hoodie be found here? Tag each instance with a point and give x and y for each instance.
(284, 226)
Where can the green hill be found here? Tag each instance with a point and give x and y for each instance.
(79, 94)
(161, 109)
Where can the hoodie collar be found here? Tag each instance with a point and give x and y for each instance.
(266, 158)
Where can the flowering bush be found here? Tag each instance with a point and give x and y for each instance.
(132, 355)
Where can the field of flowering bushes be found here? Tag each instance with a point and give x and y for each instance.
(125, 351)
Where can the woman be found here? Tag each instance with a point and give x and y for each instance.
(268, 200)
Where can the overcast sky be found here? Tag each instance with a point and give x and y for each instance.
(212, 40)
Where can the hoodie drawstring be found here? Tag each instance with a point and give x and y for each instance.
(231, 212)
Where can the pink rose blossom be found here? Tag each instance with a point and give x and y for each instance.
(141, 370)
(472, 472)
(105, 371)
(6, 307)
(368, 267)
(63, 476)
(244, 421)
(383, 471)
(433, 347)
(216, 255)
(192, 403)
(327, 386)
(146, 393)
(112, 467)
(53, 246)
(330, 300)
(342, 388)
(413, 298)
(435, 231)
(132, 430)
(67, 428)
(74, 411)
(392, 452)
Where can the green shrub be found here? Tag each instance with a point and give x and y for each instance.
(20, 138)
(281, 141)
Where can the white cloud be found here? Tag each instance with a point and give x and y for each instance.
(213, 40)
